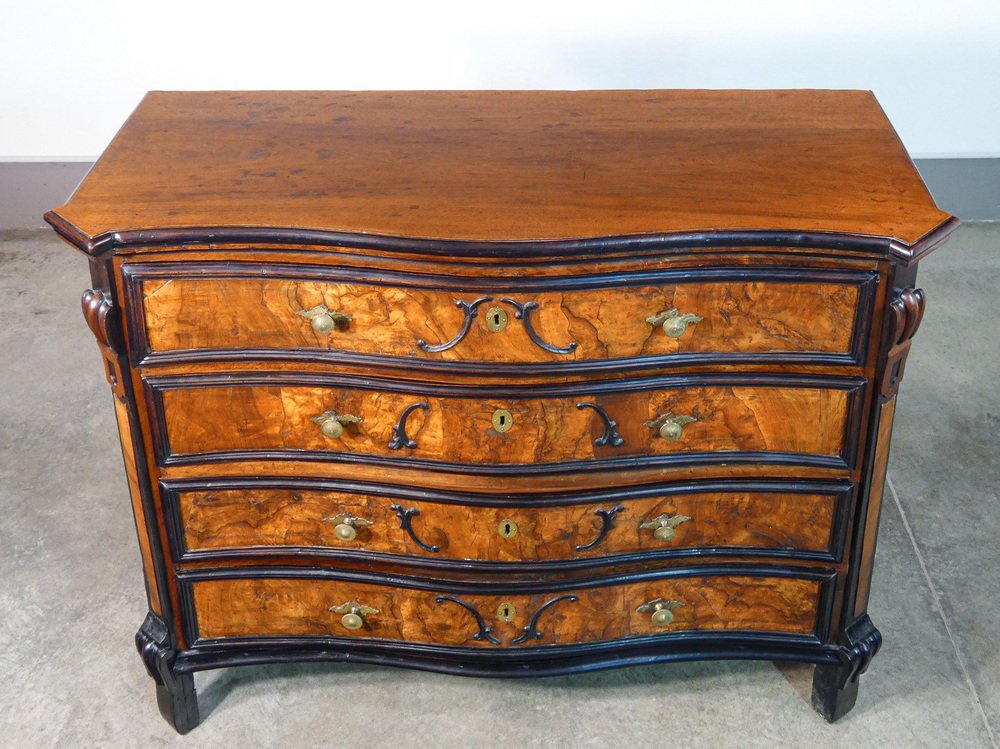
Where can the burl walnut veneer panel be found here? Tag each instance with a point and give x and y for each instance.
(200, 420)
(221, 519)
(598, 323)
(276, 606)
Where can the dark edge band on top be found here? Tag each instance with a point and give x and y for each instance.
(885, 246)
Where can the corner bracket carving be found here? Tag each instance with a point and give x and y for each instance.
(906, 312)
(175, 692)
(100, 315)
(859, 644)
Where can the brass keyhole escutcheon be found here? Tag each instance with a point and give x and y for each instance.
(507, 528)
(506, 612)
(502, 420)
(496, 319)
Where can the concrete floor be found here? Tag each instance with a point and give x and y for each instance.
(71, 596)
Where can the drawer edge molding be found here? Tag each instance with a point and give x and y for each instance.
(843, 491)
(854, 387)
(142, 355)
(186, 579)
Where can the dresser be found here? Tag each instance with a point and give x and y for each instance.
(504, 383)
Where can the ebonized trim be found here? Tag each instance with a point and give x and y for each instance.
(900, 278)
(843, 492)
(661, 241)
(493, 587)
(142, 355)
(855, 388)
(716, 646)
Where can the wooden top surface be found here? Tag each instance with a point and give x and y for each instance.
(499, 166)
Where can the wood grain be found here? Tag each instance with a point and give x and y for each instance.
(261, 313)
(138, 511)
(508, 165)
(887, 412)
(249, 518)
(288, 606)
(542, 483)
(239, 418)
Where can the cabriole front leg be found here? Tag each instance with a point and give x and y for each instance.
(175, 693)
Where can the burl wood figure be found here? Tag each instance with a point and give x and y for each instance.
(505, 383)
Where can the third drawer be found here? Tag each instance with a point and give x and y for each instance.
(226, 518)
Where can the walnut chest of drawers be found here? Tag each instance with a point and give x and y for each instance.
(505, 383)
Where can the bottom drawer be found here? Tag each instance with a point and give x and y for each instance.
(287, 603)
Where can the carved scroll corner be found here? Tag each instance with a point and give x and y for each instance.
(152, 642)
(907, 311)
(100, 314)
(860, 643)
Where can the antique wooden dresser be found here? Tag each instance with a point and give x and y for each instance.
(504, 383)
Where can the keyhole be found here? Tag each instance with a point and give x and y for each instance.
(506, 612)
(496, 319)
(502, 420)
(507, 528)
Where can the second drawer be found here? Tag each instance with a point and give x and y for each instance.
(651, 421)
(226, 518)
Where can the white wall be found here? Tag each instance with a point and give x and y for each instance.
(72, 70)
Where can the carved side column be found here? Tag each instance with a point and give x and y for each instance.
(104, 322)
(835, 688)
(156, 643)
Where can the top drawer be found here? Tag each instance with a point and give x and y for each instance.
(740, 314)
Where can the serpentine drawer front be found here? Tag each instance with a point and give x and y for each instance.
(571, 381)
(720, 314)
(273, 606)
(244, 518)
(788, 420)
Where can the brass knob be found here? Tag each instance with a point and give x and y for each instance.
(345, 525)
(670, 425)
(354, 614)
(324, 320)
(673, 322)
(663, 526)
(661, 609)
(331, 423)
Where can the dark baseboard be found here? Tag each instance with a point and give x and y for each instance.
(967, 188)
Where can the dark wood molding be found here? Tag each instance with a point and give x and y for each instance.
(219, 236)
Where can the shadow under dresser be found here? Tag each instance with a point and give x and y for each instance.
(505, 383)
